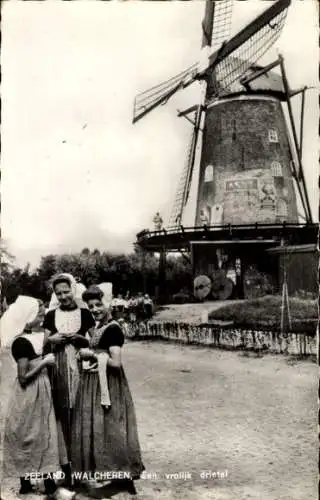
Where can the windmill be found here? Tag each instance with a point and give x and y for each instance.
(250, 168)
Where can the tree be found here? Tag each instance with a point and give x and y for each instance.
(6, 259)
(134, 272)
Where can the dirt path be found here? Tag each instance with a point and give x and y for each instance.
(189, 313)
(201, 410)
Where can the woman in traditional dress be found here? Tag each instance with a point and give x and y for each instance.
(67, 326)
(104, 432)
(78, 289)
(31, 434)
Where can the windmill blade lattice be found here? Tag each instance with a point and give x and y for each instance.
(159, 94)
(222, 21)
(182, 193)
(231, 68)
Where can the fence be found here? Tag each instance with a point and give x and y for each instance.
(226, 337)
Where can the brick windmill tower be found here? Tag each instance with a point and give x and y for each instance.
(251, 184)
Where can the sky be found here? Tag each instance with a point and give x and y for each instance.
(75, 171)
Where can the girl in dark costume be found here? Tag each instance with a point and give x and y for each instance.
(104, 431)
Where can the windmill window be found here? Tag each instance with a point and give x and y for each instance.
(273, 135)
(208, 175)
(226, 123)
(276, 169)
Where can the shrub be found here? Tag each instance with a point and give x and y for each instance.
(265, 313)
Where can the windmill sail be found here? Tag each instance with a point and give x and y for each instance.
(159, 94)
(253, 41)
(222, 22)
(216, 25)
(181, 196)
(243, 54)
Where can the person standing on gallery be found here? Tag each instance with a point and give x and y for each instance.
(67, 326)
(148, 307)
(104, 431)
(31, 432)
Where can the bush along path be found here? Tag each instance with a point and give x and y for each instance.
(244, 325)
(228, 338)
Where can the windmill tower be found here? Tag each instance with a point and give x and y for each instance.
(250, 169)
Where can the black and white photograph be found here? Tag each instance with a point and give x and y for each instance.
(159, 258)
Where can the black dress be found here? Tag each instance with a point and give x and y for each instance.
(30, 438)
(65, 376)
(106, 440)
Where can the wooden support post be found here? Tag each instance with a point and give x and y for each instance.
(144, 274)
(293, 93)
(239, 265)
(192, 155)
(285, 306)
(162, 274)
(250, 78)
(187, 111)
(303, 192)
(303, 98)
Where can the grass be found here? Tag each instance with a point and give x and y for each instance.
(265, 312)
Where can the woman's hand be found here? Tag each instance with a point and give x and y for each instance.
(78, 340)
(86, 353)
(57, 338)
(49, 359)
